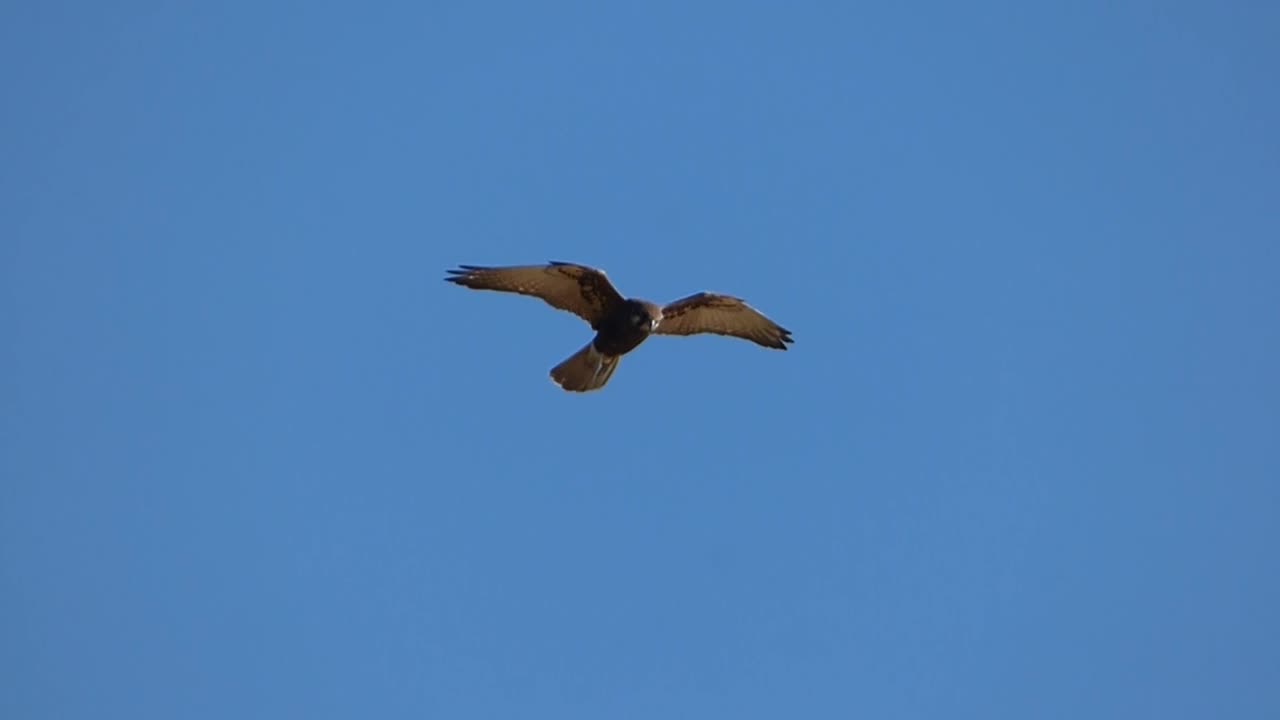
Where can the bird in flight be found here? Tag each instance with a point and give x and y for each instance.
(620, 323)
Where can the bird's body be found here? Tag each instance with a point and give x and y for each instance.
(621, 324)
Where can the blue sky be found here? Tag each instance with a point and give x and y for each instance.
(259, 461)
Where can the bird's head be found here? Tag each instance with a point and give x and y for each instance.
(646, 315)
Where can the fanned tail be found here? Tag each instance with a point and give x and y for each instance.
(588, 369)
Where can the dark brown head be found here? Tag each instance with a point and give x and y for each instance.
(643, 314)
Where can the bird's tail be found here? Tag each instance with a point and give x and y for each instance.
(587, 369)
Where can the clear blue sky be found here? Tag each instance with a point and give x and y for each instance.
(260, 462)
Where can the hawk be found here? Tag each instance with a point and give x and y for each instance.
(620, 323)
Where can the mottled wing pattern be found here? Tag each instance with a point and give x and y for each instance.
(722, 315)
(581, 290)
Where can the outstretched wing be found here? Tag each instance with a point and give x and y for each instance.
(722, 315)
(581, 290)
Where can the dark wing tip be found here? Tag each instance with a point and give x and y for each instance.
(784, 338)
(461, 274)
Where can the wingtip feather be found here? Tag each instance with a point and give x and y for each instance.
(461, 274)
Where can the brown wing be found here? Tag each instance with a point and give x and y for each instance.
(581, 290)
(722, 315)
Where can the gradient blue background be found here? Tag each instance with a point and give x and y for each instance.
(259, 461)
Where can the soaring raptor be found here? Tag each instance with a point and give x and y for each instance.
(620, 323)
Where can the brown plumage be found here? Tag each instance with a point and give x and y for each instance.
(722, 315)
(620, 323)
